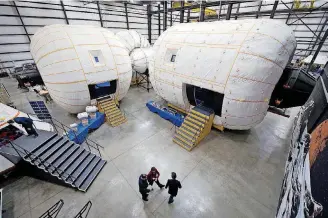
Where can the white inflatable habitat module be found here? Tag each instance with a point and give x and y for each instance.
(138, 48)
(74, 59)
(239, 61)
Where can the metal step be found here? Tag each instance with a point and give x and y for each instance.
(46, 147)
(87, 171)
(73, 166)
(36, 147)
(68, 157)
(59, 153)
(54, 149)
(81, 167)
(94, 173)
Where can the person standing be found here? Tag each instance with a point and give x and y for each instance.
(27, 123)
(152, 176)
(173, 185)
(143, 184)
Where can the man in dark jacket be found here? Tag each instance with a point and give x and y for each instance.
(152, 176)
(27, 123)
(143, 184)
(173, 185)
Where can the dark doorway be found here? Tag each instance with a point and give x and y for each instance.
(205, 97)
(102, 89)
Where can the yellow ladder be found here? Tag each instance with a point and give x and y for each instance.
(196, 126)
(114, 116)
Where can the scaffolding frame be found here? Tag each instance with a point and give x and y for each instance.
(280, 9)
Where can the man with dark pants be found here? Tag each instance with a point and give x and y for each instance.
(173, 185)
(152, 176)
(143, 184)
(27, 123)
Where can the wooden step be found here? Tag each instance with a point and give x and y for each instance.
(189, 118)
(118, 122)
(114, 114)
(199, 114)
(182, 145)
(189, 128)
(186, 131)
(197, 118)
(193, 125)
(184, 140)
(108, 107)
(187, 136)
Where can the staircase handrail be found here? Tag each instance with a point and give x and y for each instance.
(87, 208)
(42, 162)
(62, 126)
(53, 210)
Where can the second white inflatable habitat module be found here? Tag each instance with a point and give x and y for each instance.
(241, 60)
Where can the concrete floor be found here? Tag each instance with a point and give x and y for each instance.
(229, 174)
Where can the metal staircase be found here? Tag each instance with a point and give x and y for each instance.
(61, 158)
(196, 126)
(114, 115)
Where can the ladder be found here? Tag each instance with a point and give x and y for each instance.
(114, 115)
(196, 126)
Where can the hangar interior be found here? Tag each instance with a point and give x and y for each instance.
(233, 139)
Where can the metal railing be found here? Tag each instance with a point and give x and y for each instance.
(59, 125)
(36, 160)
(84, 211)
(53, 211)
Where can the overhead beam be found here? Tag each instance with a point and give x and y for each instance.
(126, 15)
(228, 15)
(64, 10)
(165, 16)
(237, 11)
(291, 9)
(101, 21)
(159, 20)
(258, 10)
(149, 22)
(318, 49)
(320, 8)
(171, 16)
(299, 19)
(194, 6)
(275, 5)
(21, 20)
(181, 11)
(202, 12)
(188, 16)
